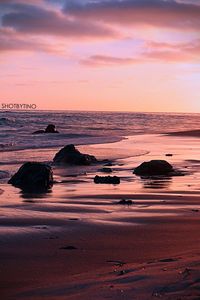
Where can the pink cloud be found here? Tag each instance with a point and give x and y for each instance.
(104, 60)
(152, 52)
(10, 41)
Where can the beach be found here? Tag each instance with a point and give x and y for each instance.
(100, 150)
(79, 242)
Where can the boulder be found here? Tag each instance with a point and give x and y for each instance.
(107, 179)
(51, 128)
(33, 176)
(70, 155)
(154, 167)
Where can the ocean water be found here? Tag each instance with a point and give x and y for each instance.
(84, 127)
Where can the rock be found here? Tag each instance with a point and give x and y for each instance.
(70, 155)
(107, 179)
(38, 132)
(125, 202)
(68, 248)
(154, 167)
(106, 170)
(169, 154)
(51, 128)
(33, 176)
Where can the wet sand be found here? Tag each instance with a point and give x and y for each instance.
(77, 242)
(108, 261)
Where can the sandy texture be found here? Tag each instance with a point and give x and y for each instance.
(72, 259)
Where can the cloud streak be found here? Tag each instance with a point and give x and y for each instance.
(156, 13)
(12, 42)
(152, 52)
(34, 19)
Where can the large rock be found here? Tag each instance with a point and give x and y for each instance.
(154, 167)
(33, 176)
(70, 155)
(51, 128)
(107, 179)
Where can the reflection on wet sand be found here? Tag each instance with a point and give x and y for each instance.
(160, 182)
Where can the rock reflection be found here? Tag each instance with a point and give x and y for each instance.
(29, 196)
(156, 182)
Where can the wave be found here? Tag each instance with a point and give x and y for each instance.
(6, 121)
(4, 174)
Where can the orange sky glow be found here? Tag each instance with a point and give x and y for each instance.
(122, 55)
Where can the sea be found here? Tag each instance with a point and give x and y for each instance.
(81, 127)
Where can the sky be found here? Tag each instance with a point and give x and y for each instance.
(106, 55)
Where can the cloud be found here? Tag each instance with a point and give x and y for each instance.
(156, 13)
(34, 19)
(10, 41)
(41, 23)
(152, 52)
(104, 60)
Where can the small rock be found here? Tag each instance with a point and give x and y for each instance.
(125, 202)
(51, 128)
(68, 248)
(107, 179)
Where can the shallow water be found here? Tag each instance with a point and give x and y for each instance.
(75, 197)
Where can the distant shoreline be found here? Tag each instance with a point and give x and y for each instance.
(187, 133)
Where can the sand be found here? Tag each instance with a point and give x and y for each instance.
(77, 242)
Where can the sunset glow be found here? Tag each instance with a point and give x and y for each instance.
(129, 55)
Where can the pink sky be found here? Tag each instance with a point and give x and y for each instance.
(131, 55)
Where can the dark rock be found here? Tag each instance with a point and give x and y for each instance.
(168, 259)
(33, 176)
(70, 155)
(106, 170)
(107, 179)
(68, 248)
(38, 132)
(125, 202)
(51, 128)
(154, 167)
(169, 154)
